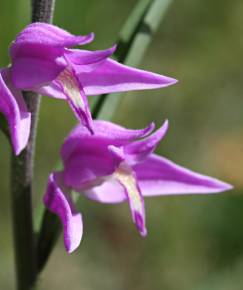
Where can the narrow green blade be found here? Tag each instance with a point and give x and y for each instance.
(135, 38)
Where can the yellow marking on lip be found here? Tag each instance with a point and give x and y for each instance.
(71, 88)
(124, 175)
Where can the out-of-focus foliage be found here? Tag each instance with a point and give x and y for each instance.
(194, 242)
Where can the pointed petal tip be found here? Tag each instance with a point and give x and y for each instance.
(140, 224)
(71, 248)
(165, 125)
(140, 149)
(216, 186)
(71, 244)
(163, 129)
(18, 150)
(87, 121)
(108, 52)
(147, 130)
(150, 128)
(164, 81)
(159, 134)
(113, 48)
(221, 186)
(173, 81)
(91, 131)
(144, 233)
(91, 35)
(90, 127)
(20, 143)
(87, 38)
(166, 121)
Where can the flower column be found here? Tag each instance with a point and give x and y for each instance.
(21, 180)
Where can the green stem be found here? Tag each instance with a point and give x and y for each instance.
(21, 181)
(135, 38)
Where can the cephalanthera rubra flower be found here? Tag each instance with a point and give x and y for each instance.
(43, 61)
(114, 165)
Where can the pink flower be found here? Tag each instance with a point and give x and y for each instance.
(43, 62)
(114, 165)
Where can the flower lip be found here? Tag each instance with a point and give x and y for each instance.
(127, 178)
(72, 89)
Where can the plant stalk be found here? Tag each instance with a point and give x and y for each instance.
(21, 180)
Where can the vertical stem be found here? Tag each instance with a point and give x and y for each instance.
(42, 10)
(21, 180)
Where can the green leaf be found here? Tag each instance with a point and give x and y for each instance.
(47, 237)
(134, 40)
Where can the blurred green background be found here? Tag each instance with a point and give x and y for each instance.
(194, 242)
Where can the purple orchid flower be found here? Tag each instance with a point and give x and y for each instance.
(114, 165)
(43, 62)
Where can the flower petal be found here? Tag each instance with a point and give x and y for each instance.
(58, 201)
(37, 53)
(43, 35)
(160, 176)
(76, 97)
(28, 72)
(127, 178)
(52, 90)
(112, 76)
(85, 57)
(110, 191)
(90, 162)
(13, 107)
(89, 157)
(137, 151)
(105, 134)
